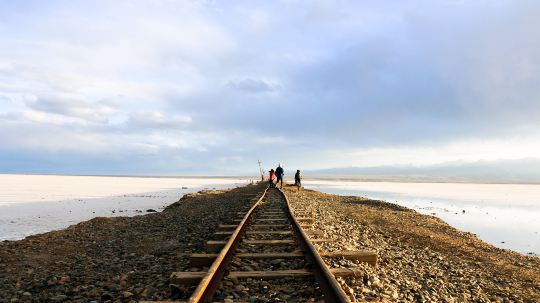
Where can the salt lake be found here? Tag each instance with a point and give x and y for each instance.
(32, 204)
(505, 215)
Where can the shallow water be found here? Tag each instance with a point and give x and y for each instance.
(505, 215)
(31, 204)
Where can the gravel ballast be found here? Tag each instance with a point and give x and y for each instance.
(128, 259)
(421, 258)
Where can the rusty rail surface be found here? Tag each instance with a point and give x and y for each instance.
(210, 283)
(331, 289)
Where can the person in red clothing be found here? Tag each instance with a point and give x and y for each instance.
(272, 177)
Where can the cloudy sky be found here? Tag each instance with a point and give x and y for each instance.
(210, 87)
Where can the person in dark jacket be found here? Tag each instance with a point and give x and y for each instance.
(279, 175)
(298, 179)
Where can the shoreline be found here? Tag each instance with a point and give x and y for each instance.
(111, 250)
(307, 177)
(412, 179)
(129, 176)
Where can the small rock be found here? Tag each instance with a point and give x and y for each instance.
(148, 291)
(64, 280)
(106, 296)
(240, 288)
(127, 294)
(52, 281)
(59, 298)
(248, 268)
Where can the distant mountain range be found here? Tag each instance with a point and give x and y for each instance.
(511, 171)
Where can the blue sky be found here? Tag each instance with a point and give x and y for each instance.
(210, 87)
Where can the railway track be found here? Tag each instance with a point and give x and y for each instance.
(267, 254)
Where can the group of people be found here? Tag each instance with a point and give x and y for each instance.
(276, 176)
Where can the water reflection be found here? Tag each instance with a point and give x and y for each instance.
(505, 215)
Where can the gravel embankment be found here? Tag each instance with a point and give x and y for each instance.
(127, 259)
(122, 259)
(422, 259)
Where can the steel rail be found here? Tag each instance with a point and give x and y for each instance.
(211, 281)
(330, 287)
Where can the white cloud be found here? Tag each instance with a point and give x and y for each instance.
(73, 106)
(155, 119)
(270, 140)
(6, 67)
(472, 150)
(259, 19)
(332, 83)
(251, 85)
(38, 117)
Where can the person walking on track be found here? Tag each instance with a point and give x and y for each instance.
(279, 175)
(298, 179)
(271, 178)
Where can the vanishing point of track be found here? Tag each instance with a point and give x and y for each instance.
(268, 230)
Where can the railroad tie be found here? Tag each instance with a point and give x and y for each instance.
(282, 218)
(263, 232)
(192, 278)
(217, 245)
(370, 257)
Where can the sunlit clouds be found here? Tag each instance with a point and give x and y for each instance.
(202, 87)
